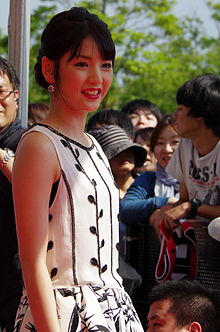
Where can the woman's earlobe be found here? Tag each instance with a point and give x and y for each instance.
(48, 69)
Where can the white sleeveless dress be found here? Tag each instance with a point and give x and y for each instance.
(82, 253)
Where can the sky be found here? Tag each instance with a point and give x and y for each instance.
(189, 7)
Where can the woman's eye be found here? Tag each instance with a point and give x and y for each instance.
(107, 65)
(81, 64)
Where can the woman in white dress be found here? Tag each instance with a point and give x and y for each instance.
(66, 201)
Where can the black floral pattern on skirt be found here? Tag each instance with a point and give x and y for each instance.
(87, 308)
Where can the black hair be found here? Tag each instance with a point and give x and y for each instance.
(202, 95)
(189, 302)
(107, 116)
(65, 32)
(7, 69)
(167, 120)
(141, 104)
(144, 133)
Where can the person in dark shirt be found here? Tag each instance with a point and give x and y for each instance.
(10, 133)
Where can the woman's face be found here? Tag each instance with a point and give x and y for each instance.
(85, 80)
(123, 163)
(166, 144)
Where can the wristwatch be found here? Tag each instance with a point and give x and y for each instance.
(9, 154)
(195, 203)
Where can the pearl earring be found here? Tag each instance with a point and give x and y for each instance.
(51, 88)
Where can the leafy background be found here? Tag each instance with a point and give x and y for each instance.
(156, 50)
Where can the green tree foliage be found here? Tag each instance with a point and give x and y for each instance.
(3, 45)
(156, 50)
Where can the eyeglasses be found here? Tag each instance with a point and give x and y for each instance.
(5, 94)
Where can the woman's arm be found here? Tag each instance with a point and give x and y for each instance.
(139, 201)
(36, 168)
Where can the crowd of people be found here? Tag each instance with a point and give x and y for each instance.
(71, 188)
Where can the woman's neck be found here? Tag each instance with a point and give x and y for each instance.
(70, 124)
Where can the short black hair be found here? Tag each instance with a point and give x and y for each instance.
(141, 104)
(66, 32)
(7, 69)
(144, 133)
(108, 116)
(202, 95)
(189, 302)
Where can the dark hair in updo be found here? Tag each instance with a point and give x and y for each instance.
(66, 32)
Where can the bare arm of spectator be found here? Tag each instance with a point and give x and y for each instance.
(173, 211)
(182, 209)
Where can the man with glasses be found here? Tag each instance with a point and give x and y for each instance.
(10, 133)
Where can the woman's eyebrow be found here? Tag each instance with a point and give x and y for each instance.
(83, 56)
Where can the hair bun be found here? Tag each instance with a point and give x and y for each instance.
(79, 14)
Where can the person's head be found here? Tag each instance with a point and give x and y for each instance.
(75, 60)
(108, 116)
(37, 112)
(9, 94)
(198, 103)
(181, 306)
(142, 113)
(142, 137)
(164, 141)
(123, 155)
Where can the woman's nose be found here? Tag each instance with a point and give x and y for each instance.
(95, 75)
(168, 147)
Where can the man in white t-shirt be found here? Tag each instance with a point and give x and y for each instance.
(196, 162)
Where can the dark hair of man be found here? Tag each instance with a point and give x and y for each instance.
(189, 302)
(141, 104)
(7, 69)
(37, 112)
(65, 33)
(163, 123)
(144, 133)
(202, 95)
(107, 116)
